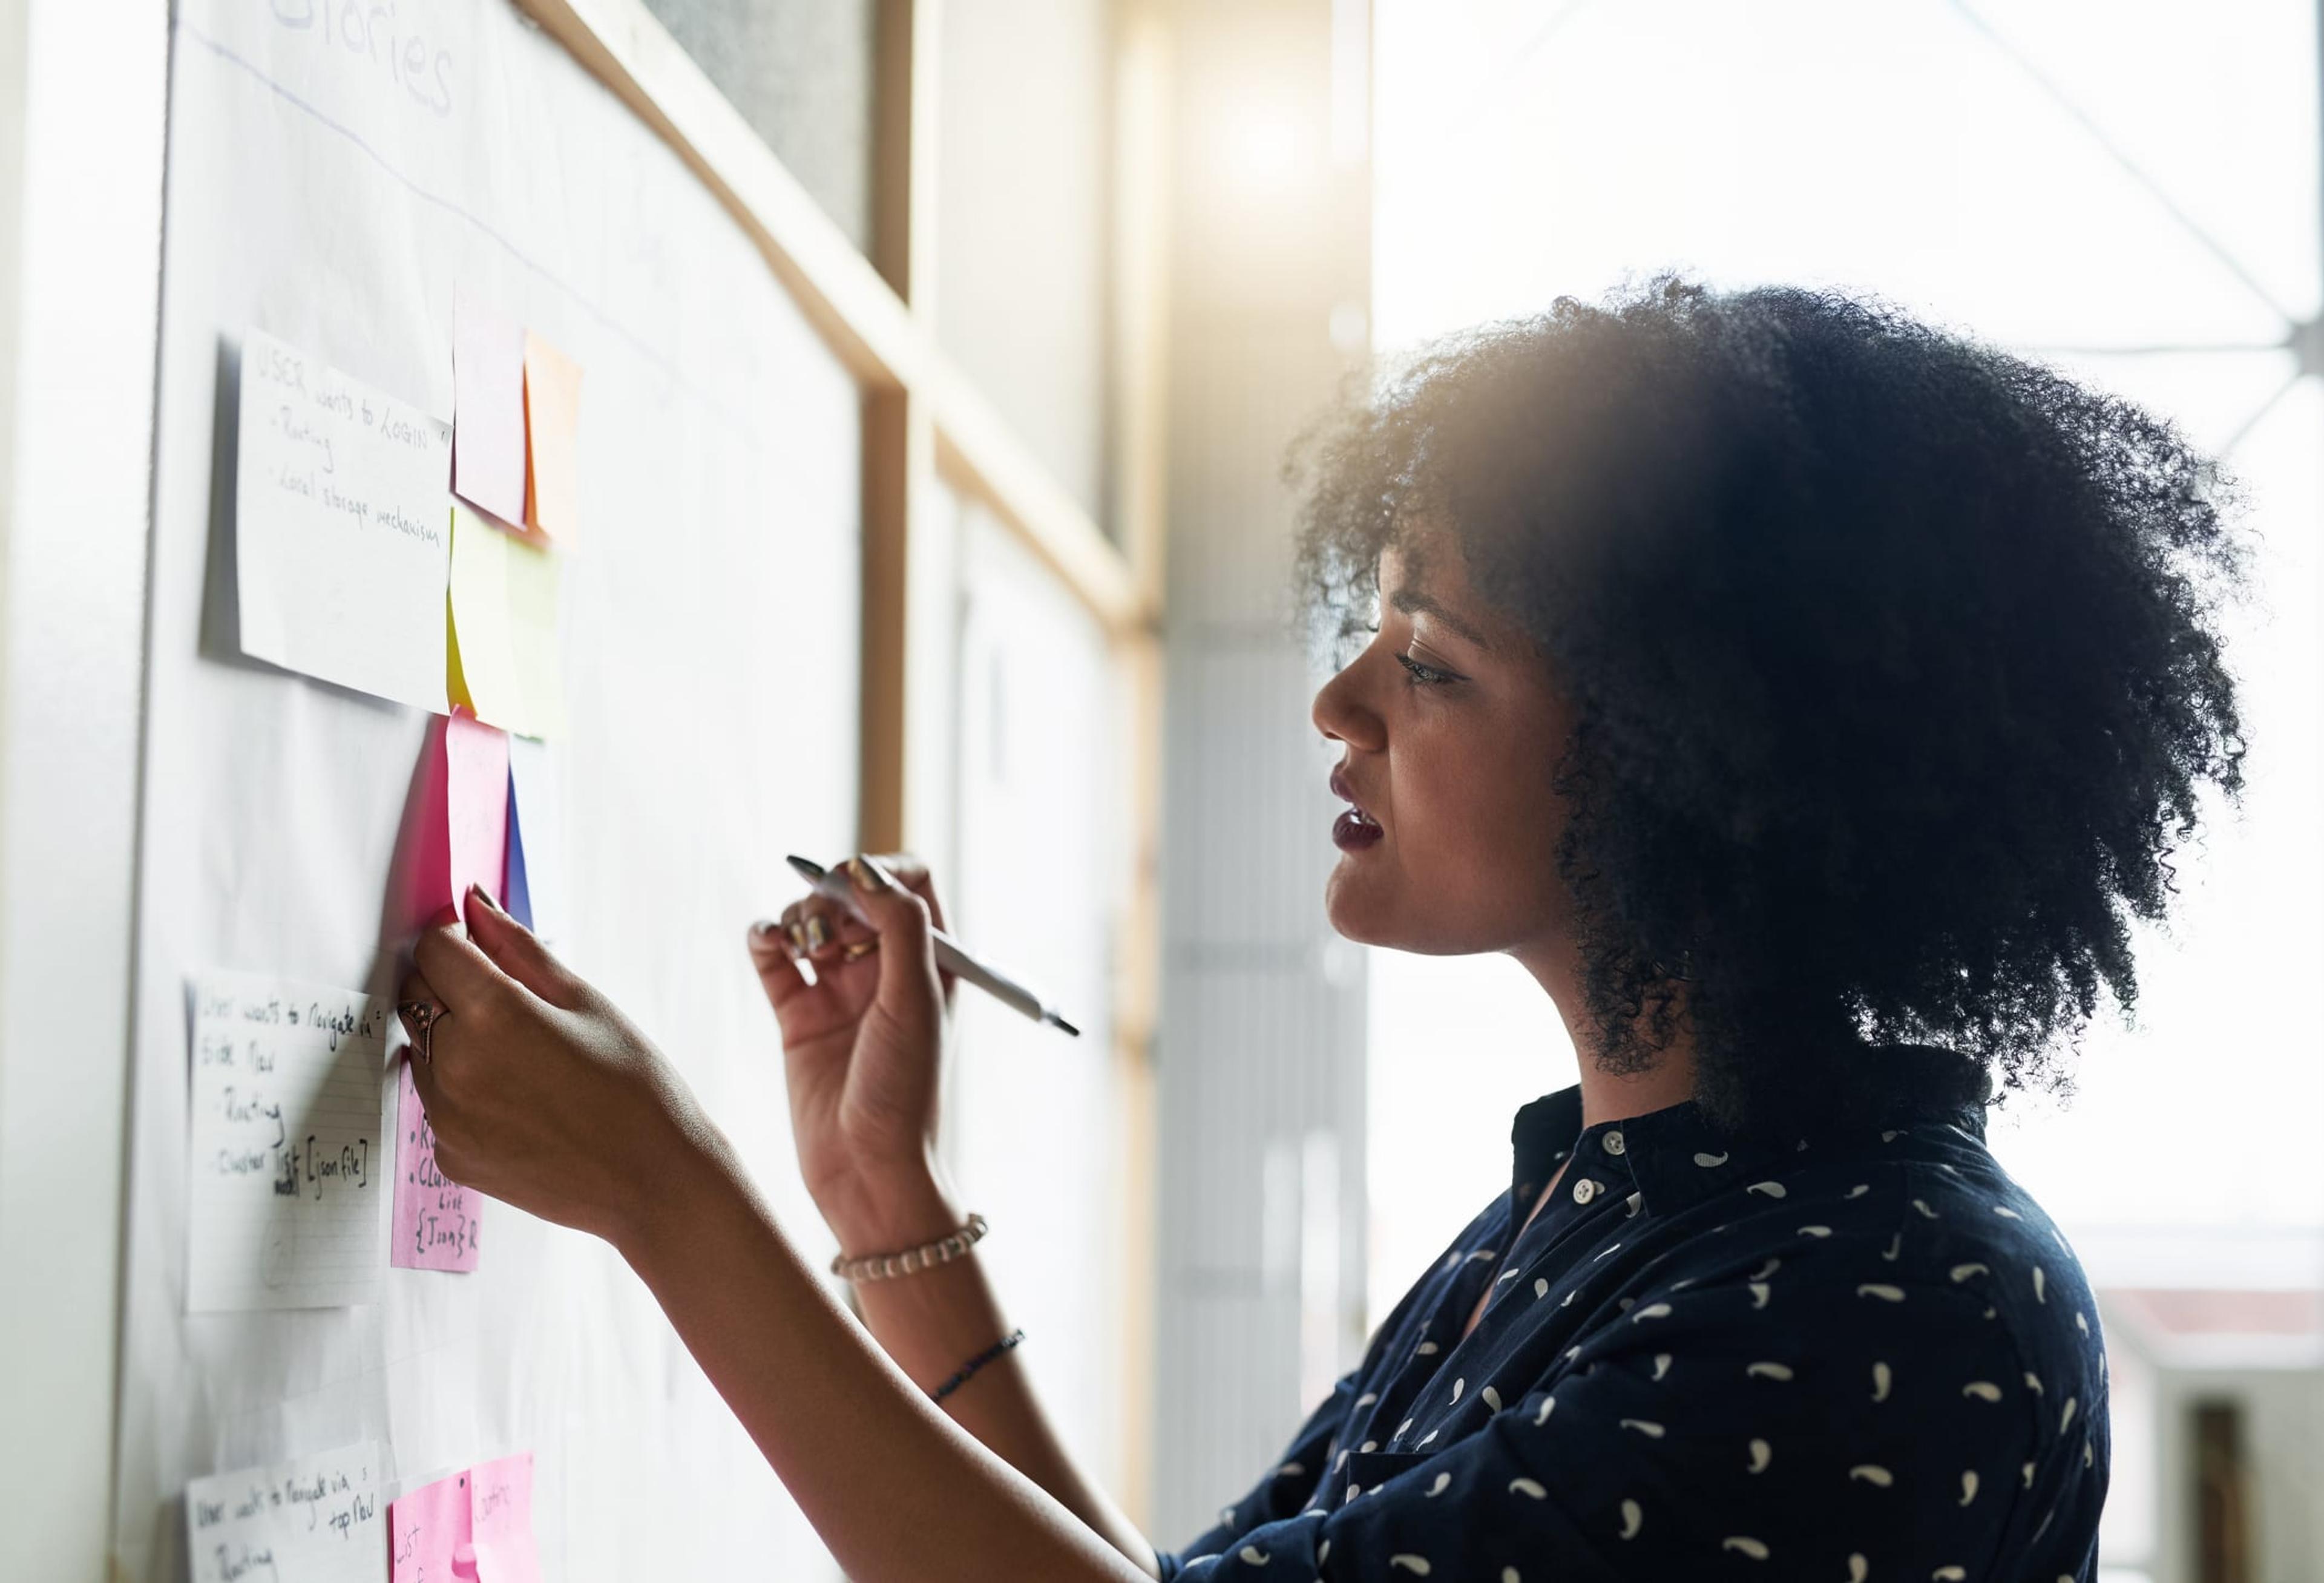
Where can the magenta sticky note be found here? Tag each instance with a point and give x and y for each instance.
(434, 1223)
(487, 409)
(457, 833)
(429, 1534)
(475, 805)
(501, 1506)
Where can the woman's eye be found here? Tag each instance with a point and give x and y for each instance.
(1426, 676)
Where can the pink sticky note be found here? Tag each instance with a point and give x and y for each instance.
(501, 1507)
(434, 1224)
(429, 1534)
(457, 833)
(475, 805)
(487, 410)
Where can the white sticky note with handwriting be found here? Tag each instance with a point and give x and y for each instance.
(291, 1177)
(314, 1519)
(343, 528)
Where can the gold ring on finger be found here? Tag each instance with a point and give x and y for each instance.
(859, 950)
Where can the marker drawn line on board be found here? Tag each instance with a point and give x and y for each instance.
(452, 207)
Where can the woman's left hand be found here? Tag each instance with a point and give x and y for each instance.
(541, 1093)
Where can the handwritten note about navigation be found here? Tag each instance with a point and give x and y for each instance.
(488, 410)
(505, 593)
(286, 1209)
(476, 1524)
(310, 1520)
(435, 1224)
(341, 527)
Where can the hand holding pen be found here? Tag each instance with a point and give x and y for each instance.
(863, 1043)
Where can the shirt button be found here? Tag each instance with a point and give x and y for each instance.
(1614, 1143)
(1584, 1190)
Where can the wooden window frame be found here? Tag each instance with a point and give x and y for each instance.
(926, 426)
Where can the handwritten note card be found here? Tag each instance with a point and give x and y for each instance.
(476, 1524)
(552, 424)
(341, 527)
(505, 593)
(436, 1220)
(309, 1520)
(285, 1208)
(488, 410)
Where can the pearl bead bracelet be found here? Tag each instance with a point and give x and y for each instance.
(885, 1266)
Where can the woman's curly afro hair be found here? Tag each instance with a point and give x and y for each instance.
(1893, 660)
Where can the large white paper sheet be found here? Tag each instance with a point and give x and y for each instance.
(291, 1171)
(311, 193)
(316, 1519)
(342, 526)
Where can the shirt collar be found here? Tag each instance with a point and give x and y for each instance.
(1674, 1158)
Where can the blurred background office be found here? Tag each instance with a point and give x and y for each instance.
(1150, 240)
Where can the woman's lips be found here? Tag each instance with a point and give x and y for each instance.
(1354, 830)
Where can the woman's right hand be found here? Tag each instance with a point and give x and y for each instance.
(862, 1052)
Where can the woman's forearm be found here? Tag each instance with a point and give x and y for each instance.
(896, 1489)
(933, 1320)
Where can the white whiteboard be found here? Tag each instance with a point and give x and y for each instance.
(332, 185)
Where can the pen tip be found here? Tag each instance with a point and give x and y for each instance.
(1053, 1018)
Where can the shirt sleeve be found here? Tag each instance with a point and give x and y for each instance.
(1840, 1426)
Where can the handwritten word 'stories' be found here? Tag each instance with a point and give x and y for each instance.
(289, 1193)
(315, 1519)
(342, 516)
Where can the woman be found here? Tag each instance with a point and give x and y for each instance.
(1807, 699)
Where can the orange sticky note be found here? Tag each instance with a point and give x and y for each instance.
(552, 428)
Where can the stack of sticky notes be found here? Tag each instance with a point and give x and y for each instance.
(517, 411)
(384, 550)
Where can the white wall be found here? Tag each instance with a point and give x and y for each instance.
(80, 227)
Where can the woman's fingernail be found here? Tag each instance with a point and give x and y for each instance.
(818, 935)
(481, 894)
(868, 875)
(763, 928)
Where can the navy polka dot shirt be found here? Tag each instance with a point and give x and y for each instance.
(1860, 1358)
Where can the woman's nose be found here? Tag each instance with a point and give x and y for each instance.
(1341, 714)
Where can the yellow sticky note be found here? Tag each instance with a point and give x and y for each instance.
(552, 429)
(534, 573)
(503, 593)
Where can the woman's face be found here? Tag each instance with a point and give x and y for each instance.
(1450, 733)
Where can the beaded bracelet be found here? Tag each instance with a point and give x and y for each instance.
(883, 1267)
(960, 1376)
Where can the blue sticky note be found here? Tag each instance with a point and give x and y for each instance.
(515, 894)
